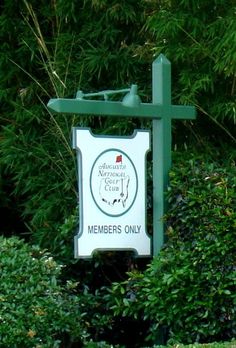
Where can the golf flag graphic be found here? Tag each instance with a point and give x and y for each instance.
(119, 159)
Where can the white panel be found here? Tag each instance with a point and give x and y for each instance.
(112, 190)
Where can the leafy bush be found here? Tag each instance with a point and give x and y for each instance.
(208, 345)
(189, 288)
(36, 310)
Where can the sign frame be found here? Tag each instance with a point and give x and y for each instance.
(138, 240)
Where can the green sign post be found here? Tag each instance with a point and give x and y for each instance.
(161, 111)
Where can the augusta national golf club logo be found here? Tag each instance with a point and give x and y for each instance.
(113, 182)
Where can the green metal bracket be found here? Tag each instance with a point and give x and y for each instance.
(161, 111)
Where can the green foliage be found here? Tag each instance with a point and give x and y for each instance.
(36, 308)
(209, 345)
(101, 344)
(189, 288)
(199, 39)
(52, 50)
(57, 50)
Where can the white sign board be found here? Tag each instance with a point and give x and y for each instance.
(112, 192)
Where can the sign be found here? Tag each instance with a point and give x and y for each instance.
(112, 192)
(161, 111)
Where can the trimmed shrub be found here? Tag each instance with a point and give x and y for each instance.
(189, 288)
(231, 344)
(36, 310)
